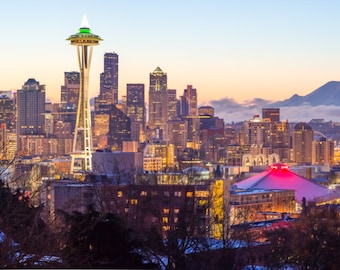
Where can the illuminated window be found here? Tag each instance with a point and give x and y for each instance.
(119, 194)
(190, 194)
(166, 228)
(176, 219)
(202, 193)
(134, 201)
(143, 193)
(178, 194)
(165, 220)
(166, 210)
(176, 210)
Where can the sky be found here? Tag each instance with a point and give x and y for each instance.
(234, 50)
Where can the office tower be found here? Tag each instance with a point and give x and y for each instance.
(188, 111)
(81, 155)
(206, 110)
(158, 100)
(7, 110)
(302, 143)
(280, 140)
(69, 98)
(271, 113)
(135, 110)
(172, 104)
(30, 110)
(323, 152)
(256, 132)
(119, 128)
(135, 103)
(189, 102)
(69, 95)
(177, 134)
(109, 79)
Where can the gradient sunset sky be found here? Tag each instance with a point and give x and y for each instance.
(235, 49)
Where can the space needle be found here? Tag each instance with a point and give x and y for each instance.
(81, 154)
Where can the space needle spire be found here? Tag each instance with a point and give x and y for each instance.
(81, 154)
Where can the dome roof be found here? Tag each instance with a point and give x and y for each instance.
(278, 176)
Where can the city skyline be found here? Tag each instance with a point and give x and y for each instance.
(238, 50)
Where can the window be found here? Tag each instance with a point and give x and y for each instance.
(134, 201)
(190, 194)
(178, 194)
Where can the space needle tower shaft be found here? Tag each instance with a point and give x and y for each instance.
(81, 154)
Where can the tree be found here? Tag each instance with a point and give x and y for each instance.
(311, 242)
(99, 240)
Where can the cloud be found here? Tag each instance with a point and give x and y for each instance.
(231, 111)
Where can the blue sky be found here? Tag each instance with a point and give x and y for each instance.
(226, 49)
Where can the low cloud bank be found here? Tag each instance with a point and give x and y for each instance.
(232, 111)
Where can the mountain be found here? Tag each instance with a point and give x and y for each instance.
(322, 103)
(328, 94)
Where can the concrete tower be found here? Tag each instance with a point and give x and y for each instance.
(81, 155)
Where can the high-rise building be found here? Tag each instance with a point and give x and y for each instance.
(256, 132)
(135, 103)
(281, 140)
(271, 113)
(189, 112)
(302, 143)
(135, 110)
(69, 95)
(7, 110)
(158, 100)
(323, 152)
(206, 111)
(119, 128)
(30, 110)
(109, 79)
(69, 98)
(81, 155)
(172, 105)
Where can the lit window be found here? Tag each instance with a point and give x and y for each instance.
(134, 201)
(178, 194)
(143, 193)
(166, 210)
(165, 220)
(119, 194)
(190, 194)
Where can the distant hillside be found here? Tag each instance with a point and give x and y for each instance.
(328, 94)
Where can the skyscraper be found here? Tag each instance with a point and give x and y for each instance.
(30, 110)
(157, 100)
(81, 155)
(109, 79)
(189, 112)
(69, 98)
(119, 128)
(172, 104)
(135, 109)
(302, 143)
(135, 103)
(272, 113)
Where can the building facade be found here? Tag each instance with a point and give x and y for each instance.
(30, 110)
(158, 115)
(109, 78)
